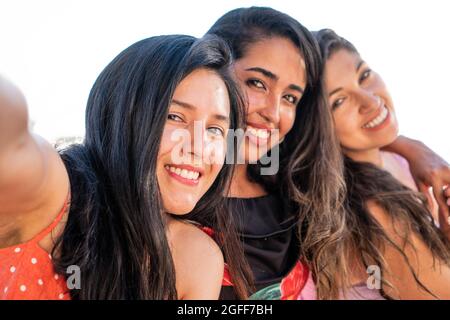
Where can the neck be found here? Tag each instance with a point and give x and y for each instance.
(242, 187)
(372, 156)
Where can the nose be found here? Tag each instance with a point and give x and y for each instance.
(198, 137)
(271, 110)
(369, 102)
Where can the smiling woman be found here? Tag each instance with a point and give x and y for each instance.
(388, 224)
(187, 169)
(279, 72)
(363, 109)
(98, 206)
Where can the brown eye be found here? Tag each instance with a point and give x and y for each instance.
(337, 103)
(174, 117)
(365, 75)
(291, 99)
(256, 83)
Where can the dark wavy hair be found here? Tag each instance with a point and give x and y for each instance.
(310, 177)
(364, 237)
(116, 231)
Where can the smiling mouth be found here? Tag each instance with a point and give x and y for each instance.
(379, 120)
(184, 174)
(258, 133)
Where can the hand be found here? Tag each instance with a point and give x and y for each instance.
(430, 170)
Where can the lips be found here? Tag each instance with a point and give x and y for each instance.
(185, 174)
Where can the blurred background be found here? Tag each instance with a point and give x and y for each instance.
(55, 49)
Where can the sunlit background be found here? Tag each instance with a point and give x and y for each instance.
(54, 50)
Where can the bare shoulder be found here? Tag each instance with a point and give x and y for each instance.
(414, 261)
(378, 213)
(190, 242)
(198, 261)
(395, 229)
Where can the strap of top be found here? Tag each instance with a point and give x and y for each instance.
(55, 222)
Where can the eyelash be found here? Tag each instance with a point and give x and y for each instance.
(294, 99)
(255, 82)
(336, 103)
(221, 132)
(171, 116)
(366, 74)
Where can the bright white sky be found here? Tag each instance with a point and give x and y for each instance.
(54, 50)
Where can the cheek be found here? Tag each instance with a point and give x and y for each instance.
(167, 141)
(287, 119)
(215, 170)
(255, 101)
(346, 126)
(215, 151)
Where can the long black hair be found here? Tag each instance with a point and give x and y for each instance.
(116, 231)
(363, 236)
(311, 169)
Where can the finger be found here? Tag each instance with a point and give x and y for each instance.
(444, 221)
(425, 189)
(444, 212)
(447, 194)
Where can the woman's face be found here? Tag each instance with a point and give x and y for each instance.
(272, 74)
(193, 144)
(362, 107)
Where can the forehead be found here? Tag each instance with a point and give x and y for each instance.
(278, 55)
(205, 90)
(340, 66)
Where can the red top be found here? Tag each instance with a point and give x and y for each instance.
(26, 270)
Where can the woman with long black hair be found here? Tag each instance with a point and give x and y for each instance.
(278, 66)
(112, 206)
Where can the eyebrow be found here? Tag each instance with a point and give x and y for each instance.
(358, 66)
(189, 106)
(334, 91)
(265, 72)
(273, 76)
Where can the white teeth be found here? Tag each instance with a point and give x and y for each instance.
(260, 133)
(187, 174)
(378, 120)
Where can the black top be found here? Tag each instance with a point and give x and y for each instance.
(267, 229)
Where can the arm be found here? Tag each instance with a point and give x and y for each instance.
(433, 274)
(33, 180)
(198, 262)
(429, 170)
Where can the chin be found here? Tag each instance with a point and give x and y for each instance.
(179, 208)
(180, 211)
(390, 137)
